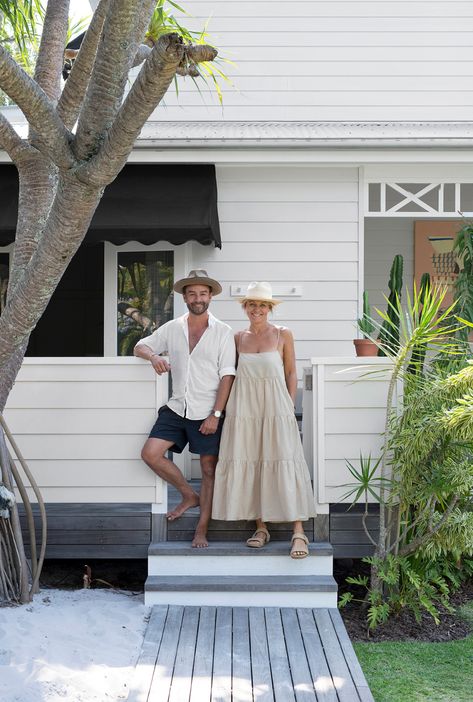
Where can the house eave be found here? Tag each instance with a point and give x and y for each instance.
(306, 135)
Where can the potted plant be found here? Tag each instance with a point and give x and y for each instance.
(366, 346)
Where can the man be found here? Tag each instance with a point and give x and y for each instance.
(201, 352)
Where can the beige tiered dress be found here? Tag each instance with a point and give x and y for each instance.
(261, 472)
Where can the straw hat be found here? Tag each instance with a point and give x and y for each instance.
(261, 292)
(198, 277)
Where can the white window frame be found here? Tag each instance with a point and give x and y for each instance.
(182, 265)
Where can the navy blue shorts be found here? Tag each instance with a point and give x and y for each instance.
(182, 431)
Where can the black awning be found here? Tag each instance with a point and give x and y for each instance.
(145, 203)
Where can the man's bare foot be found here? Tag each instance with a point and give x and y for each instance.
(200, 539)
(187, 503)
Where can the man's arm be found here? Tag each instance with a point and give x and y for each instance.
(151, 346)
(210, 425)
(159, 364)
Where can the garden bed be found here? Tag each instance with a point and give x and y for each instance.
(404, 626)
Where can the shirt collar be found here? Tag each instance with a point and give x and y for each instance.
(185, 317)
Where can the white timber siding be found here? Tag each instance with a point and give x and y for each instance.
(294, 227)
(291, 226)
(344, 415)
(334, 60)
(384, 238)
(80, 424)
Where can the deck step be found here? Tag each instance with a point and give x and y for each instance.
(235, 558)
(242, 590)
(226, 573)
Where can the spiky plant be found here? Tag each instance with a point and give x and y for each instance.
(389, 332)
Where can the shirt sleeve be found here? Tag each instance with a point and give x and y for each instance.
(227, 355)
(157, 341)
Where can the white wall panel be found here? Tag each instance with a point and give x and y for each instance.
(81, 427)
(295, 226)
(384, 60)
(344, 416)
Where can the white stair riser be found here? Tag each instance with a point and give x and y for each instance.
(242, 599)
(239, 565)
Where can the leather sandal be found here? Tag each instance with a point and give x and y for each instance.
(299, 552)
(259, 539)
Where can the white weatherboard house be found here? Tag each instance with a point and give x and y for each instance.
(346, 138)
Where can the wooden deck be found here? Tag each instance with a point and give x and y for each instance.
(224, 654)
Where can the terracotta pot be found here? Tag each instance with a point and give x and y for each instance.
(365, 347)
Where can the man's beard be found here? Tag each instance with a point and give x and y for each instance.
(198, 308)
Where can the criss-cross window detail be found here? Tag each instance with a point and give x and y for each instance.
(426, 199)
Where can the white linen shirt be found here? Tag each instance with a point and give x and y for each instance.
(195, 376)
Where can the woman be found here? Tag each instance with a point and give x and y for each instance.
(261, 473)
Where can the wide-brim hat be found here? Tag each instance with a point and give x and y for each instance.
(198, 277)
(260, 291)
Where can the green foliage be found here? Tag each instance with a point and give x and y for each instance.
(426, 516)
(163, 21)
(414, 582)
(365, 324)
(366, 481)
(20, 33)
(389, 332)
(144, 288)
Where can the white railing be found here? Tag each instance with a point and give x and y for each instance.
(344, 409)
(80, 424)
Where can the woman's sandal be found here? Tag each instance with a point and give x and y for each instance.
(299, 552)
(256, 541)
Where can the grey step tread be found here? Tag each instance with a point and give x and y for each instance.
(240, 583)
(194, 512)
(230, 548)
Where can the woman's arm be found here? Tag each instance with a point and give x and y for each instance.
(289, 362)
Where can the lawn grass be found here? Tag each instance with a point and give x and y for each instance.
(419, 672)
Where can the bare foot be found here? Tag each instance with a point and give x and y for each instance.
(200, 539)
(187, 503)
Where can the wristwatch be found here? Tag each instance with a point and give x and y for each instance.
(217, 413)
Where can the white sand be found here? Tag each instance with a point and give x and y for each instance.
(79, 646)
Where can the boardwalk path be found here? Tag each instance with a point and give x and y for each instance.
(225, 654)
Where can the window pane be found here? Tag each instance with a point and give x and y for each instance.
(145, 297)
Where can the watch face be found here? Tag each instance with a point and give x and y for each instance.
(217, 414)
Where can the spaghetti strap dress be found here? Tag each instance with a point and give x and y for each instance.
(261, 471)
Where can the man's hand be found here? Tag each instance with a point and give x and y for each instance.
(209, 425)
(159, 364)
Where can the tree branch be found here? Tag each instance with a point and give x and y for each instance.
(141, 55)
(37, 176)
(147, 91)
(11, 142)
(365, 526)
(76, 85)
(110, 72)
(414, 545)
(53, 139)
(51, 49)
(66, 226)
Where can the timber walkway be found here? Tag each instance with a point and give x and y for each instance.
(247, 654)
